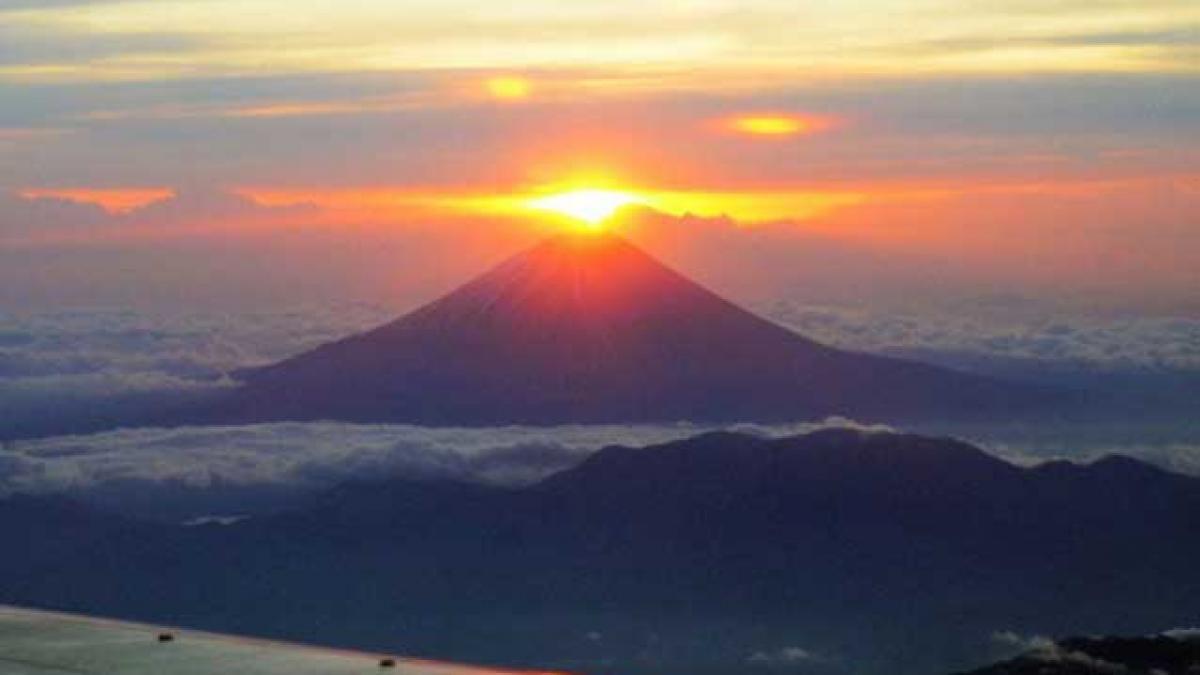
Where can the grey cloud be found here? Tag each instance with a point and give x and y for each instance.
(191, 205)
(1056, 654)
(1186, 634)
(1021, 643)
(45, 218)
(1046, 650)
(19, 216)
(784, 656)
(1022, 329)
(25, 45)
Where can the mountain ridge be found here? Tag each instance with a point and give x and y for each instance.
(720, 546)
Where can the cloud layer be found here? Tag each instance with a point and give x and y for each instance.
(194, 471)
(1006, 327)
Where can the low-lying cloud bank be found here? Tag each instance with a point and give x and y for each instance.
(1008, 329)
(57, 367)
(322, 454)
(196, 471)
(60, 368)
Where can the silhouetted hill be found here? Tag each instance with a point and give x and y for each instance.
(1167, 654)
(868, 552)
(592, 329)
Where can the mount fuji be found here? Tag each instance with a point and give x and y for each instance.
(591, 329)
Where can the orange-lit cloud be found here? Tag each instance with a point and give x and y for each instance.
(115, 200)
(774, 125)
(508, 87)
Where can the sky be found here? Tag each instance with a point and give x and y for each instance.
(261, 152)
(193, 186)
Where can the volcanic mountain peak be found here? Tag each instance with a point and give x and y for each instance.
(580, 284)
(589, 328)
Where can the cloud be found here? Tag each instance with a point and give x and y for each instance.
(1021, 643)
(305, 35)
(1044, 650)
(784, 657)
(72, 215)
(947, 128)
(1180, 457)
(25, 44)
(21, 217)
(1189, 634)
(191, 206)
(318, 455)
(1012, 328)
(60, 368)
(1057, 654)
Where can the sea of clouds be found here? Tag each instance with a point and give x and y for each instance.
(67, 364)
(87, 357)
(191, 473)
(1005, 330)
(323, 454)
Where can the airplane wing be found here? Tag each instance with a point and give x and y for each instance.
(34, 642)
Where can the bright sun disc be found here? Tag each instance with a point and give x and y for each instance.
(589, 205)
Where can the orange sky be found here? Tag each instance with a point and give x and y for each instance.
(1040, 147)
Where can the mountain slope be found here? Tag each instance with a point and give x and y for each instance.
(591, 329)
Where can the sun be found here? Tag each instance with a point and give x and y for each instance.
(590, 206)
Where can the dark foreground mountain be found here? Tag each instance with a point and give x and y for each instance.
(1173, 653)
(837, 551)
(591, 329)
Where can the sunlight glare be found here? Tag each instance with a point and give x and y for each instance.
(591, 206)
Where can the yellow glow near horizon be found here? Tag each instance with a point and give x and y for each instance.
(775, 125)
(590, 205)
(509, 87)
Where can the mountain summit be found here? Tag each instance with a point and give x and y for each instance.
(590, 329)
